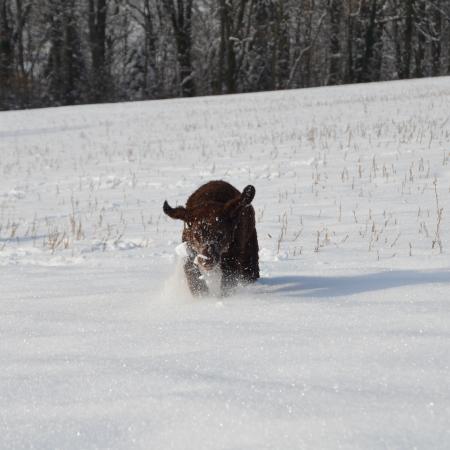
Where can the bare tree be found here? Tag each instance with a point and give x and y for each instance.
(97, 16)
(145, 16)
(234, 40)
(180, 14)
(335, 13)
(6, 54)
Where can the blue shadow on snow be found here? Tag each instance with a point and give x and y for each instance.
(322, 286)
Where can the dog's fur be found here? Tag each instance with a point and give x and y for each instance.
(219, 230)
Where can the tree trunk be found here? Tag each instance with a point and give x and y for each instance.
(218, 83)
(181, 18)
(98, 10)
(371, 63)
(281, 48)
(349, 72)
(184, 46)
(436, 32)
(71, 56)
(405, 69)
(419, 54)
(335, 10)
(6, 55)
(262, 76)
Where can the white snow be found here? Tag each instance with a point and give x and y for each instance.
(343, 343)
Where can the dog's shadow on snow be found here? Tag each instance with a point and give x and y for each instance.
(337, 286)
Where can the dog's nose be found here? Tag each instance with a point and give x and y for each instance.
(212, 251)
(208, 257)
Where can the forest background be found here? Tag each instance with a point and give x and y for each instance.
(64, 52)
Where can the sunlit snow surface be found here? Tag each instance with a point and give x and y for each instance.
(343, 343)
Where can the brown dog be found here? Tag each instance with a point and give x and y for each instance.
(219, 231)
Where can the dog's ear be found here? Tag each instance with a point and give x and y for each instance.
(175, 213)
(233, 207)
(248, 194)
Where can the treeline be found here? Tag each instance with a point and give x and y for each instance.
(64, 52)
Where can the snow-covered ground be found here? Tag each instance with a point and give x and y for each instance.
(343, 343)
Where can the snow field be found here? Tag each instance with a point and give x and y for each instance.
(343, 343)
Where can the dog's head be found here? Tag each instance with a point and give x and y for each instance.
(210, 227)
